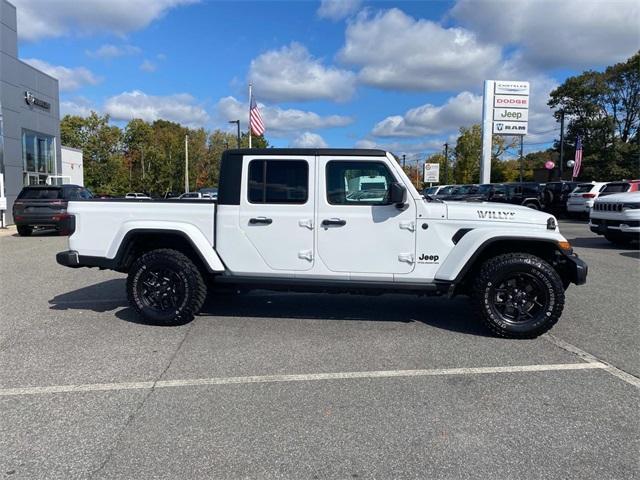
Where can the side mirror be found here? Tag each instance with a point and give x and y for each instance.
(397, 193)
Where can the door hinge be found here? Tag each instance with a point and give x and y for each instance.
(306, 255)
(408, 225)
(307, 222)
(406, 257)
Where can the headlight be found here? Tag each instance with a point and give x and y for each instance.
(551, 223)
(630, 206)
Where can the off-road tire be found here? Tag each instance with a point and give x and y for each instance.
(491, 277)
(24, 230)
(180, 274)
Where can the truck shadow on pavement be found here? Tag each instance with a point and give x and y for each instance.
(454, 315)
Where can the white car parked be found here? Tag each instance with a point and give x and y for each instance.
(583, 196)
(617, 217)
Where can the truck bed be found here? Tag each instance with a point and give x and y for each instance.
(109, 220)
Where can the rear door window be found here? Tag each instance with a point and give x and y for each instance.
(278, 181)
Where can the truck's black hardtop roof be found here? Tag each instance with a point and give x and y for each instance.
(351, 152)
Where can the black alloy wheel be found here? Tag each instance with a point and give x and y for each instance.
(519, 298)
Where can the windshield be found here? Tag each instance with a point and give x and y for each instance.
(447, 191)
(484, 189)
(431, 190)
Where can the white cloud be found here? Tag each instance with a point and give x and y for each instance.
(278, 121)
(148, 66)
(45, 18)
(396, 51)
(109, 50)
(77, 106)
(551, 33)
(68, 78)
(308, 140)
(293, 74)
(462, 110)
(181, 108)
(338, 9)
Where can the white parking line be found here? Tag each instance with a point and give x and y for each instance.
(586, 356)
(309, 377)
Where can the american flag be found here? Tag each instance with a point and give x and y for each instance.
(255, 119)
(578, 158)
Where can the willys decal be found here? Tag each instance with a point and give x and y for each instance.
(495, 214)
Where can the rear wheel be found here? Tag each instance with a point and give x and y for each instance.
(518, 295)
(24, 230)
(165, 287)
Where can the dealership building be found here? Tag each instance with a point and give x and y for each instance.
(30, 148)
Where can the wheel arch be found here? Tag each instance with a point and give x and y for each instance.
(462, 274)
(138, 241)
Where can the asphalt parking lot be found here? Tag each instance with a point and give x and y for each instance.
(271, 385)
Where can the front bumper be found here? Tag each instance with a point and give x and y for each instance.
(577, 269)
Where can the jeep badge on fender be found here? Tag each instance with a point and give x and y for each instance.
(336, 221)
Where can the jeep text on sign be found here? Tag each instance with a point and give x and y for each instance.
(510, 101)
(511, 114)
(510, 128)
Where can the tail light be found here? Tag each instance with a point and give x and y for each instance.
(588, 195)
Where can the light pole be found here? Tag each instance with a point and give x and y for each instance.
(237, 122)
(446, 163)
(561, 143)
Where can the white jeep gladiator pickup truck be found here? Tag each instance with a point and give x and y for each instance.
(309, 220)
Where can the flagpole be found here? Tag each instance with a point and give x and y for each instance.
(250, 98)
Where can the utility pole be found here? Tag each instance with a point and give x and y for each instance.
(417, 172)
(521, 157)
(561, 142)
(403, 159)
(446, 163)
(237, 122)
(186, 163)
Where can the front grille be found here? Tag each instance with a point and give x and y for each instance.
(608, 207)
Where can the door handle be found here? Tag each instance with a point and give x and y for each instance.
(338, 222)
(260, 221)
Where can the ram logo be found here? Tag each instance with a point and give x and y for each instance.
(495, 214)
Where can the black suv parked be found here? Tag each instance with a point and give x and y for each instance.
(556, 194)
(46, 206)
(525, 193)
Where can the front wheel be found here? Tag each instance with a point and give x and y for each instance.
(165, 287)
(518, 295)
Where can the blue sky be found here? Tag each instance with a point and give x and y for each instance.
(397, 75)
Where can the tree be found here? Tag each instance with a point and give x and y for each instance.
(468, 153)
(604, 109)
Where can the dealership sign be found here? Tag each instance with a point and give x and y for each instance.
(31, 99)
(505, 111)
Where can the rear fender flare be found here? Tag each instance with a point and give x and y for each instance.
(192, 234)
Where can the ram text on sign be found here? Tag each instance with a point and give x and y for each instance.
(432, 172)
(510, 128)
(511, 114)
(510, 101)
(511, 88)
